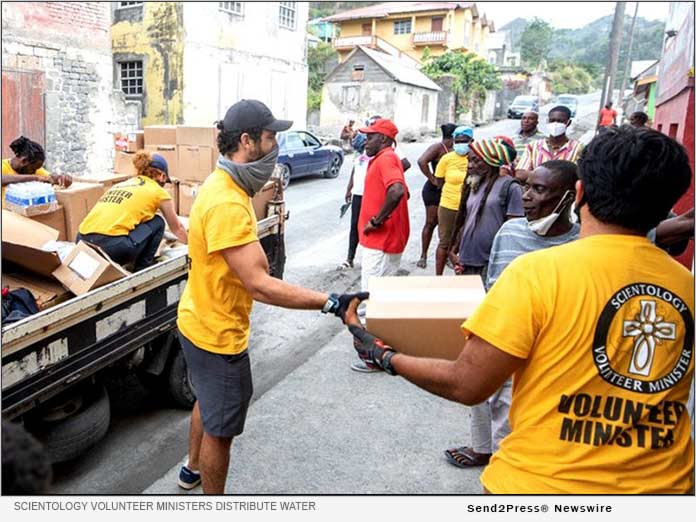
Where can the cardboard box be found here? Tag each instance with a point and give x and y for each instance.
(202, 136)
(169, 153)
(160, 135)
(422, 316)
(195, 163)
(31, 210)
(77, 200)
(88, 267)
(47, 292)
(123, 163)
(129, 141)
(55, 220)
(261, 200)
(22, 242)
(173, 189)
(107, 179)
(187, 194)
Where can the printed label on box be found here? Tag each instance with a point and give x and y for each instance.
(84, 266)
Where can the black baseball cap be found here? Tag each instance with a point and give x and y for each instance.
(249, 114)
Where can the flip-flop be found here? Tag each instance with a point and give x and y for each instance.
(465, 457)
(422, 263)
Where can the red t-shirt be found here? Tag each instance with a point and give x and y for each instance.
(383, 171)
(606, 117)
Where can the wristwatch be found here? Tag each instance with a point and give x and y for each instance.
(331, 304)
(386, 362)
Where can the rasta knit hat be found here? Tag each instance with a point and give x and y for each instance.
(494, 151)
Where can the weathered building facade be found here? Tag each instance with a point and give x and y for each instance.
(188, 61)
(57, 83)
(369, 82)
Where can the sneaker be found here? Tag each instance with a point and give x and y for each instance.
(364, 367)
(188, 479)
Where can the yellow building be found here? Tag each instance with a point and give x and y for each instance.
(406, 28)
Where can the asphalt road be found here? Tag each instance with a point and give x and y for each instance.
(148, 437)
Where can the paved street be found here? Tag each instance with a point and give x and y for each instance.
(314, 426)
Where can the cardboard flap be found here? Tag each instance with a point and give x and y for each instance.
(22, 242)
(88, 267)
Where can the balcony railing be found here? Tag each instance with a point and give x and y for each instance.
(430, 38)
(374, 42)
(349, 42)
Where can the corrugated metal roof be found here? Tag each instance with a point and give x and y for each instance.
(640, 66)
(390, 8)
(400, 71)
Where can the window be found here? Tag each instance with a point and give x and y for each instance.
(436, 24)
(350, 97)
(286, 15)
(131, 76)
(309, 140)
(129, 4)
(367, 29)
(293, 141)
(232, 7)
(358, 72)
(673, 130)
(402, 27)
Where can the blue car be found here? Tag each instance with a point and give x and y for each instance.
(302, 154)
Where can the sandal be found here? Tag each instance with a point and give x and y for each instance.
(422, 263)
(346, 264)
(466, 457)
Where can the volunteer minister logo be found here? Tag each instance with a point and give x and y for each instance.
(644, 339)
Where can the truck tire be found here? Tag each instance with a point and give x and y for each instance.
(179, 387)
(70, 437)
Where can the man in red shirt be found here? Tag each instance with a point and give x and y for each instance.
(607, 116)
(383, 225)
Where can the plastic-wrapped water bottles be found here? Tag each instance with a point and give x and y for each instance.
(30, 194)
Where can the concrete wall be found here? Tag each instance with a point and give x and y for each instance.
(69, 42)
(446, 101)
(248, 56)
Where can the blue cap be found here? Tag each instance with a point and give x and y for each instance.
(158, 162)
(463, 130)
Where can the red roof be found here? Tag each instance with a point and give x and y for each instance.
(391, 8)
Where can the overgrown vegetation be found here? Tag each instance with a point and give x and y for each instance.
(319, 59)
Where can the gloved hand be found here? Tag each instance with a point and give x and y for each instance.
(369, 347)
(340, 303)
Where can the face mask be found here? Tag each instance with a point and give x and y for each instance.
(556, 129)
(542, 226)
(250, 176)
(461, 148)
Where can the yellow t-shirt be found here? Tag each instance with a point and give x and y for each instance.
(606, 327)
(452, 167)
(215, 306)
(7, 169)
(124, 206)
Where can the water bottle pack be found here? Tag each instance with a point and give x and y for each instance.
(30, 194)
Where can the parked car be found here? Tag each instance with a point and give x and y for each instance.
(522, 104)
(570, 101)
(303, 154)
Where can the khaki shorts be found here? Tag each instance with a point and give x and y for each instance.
(445, 226)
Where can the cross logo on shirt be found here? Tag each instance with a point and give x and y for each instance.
(648, 330)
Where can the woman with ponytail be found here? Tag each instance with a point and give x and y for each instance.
(489, 198)
(123, 223)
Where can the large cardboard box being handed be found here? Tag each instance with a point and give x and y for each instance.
(77, 200)
(422, 315)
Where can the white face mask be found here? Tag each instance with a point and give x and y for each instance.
(542, 226)
(556, 129)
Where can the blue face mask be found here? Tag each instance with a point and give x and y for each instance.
(461, 148)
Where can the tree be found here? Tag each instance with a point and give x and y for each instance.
(473, 77)
(571, 79)
(318, 58)
(535, 42)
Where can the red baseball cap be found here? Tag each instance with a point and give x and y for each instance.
(381, 126)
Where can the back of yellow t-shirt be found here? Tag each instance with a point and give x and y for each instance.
(452, 167)
(606, 327)
(7, 169)
(124, 206)
(215, 306)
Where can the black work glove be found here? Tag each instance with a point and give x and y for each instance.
(339, 303)
(372, 349)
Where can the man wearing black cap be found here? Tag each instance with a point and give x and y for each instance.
(228, 271)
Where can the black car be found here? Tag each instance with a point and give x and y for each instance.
(302, 154)
(522, 104)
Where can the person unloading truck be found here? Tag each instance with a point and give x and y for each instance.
(124, 223)
(27, 165)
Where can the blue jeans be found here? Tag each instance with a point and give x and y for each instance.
(138, 247)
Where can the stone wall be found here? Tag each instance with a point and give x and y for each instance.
(69, 43)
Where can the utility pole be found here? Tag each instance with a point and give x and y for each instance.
(627, 68)
(614, 45)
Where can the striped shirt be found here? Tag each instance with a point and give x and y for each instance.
(538, 152)
(522, 141)
(514, 239)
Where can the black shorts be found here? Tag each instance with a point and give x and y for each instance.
(223, 388)
(431, 194)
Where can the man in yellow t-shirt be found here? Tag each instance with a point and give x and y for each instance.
(451, 172)
(228, 270)
(27, 165)
(598, 335)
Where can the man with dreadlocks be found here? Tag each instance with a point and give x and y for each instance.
(27, 165)
(488, 199)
